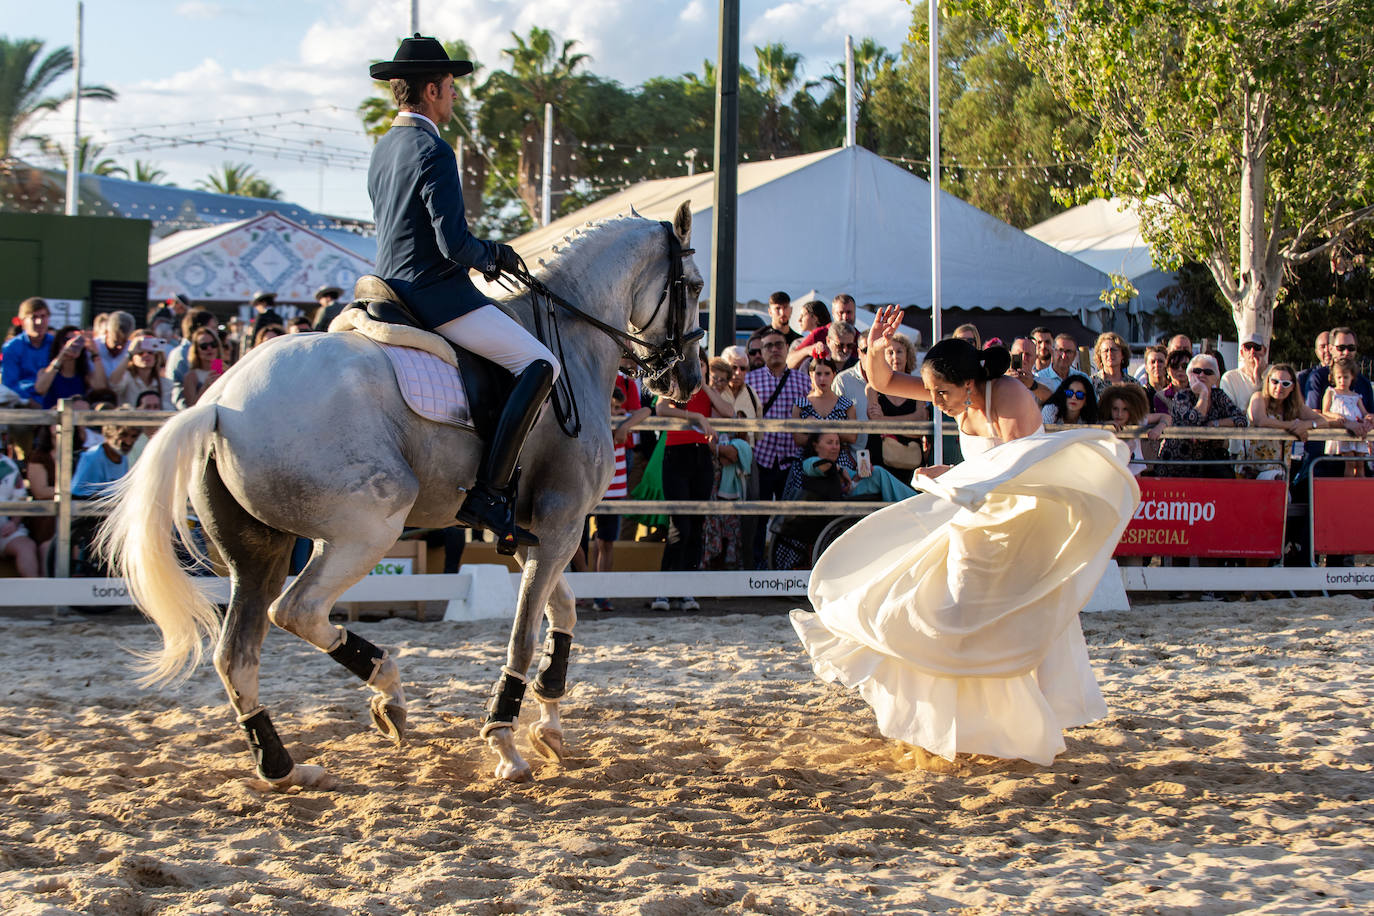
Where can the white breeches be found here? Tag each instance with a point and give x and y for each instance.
(492, 333)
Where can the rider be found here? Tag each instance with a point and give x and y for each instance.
(424, 251)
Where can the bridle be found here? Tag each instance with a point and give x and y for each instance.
(660, 358)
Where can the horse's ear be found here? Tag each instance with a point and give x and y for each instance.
(682, 223)
(635, 213)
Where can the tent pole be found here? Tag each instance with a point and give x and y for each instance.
(724, 212)
(935, 305)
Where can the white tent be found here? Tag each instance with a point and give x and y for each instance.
(1105, 234)
(846, 220)
(230, 261)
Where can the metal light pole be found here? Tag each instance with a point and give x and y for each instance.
(415, 17)
(546, 198)
(724, 210)
(850, 102)
(935, 200)
(73, 187)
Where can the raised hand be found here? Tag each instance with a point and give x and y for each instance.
(885, 324)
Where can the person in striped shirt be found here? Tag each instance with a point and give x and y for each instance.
(608, 525)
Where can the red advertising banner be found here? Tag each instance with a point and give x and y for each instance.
(1195, 517)
(1342, 510)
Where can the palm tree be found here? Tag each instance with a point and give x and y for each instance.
(239, 179)
(148, 172)
(778, 79)
(88, 158)
(870, 60)
(23, 86)
(542, 72)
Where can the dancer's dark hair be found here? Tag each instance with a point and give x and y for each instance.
(959, 361)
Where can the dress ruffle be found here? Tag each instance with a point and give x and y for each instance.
(955, 613)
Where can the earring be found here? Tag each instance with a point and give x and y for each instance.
(968, 397)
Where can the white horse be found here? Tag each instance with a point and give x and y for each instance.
(308, 436)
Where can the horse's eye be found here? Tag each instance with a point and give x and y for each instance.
(697, 287)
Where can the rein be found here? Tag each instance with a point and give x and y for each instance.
(661, 357)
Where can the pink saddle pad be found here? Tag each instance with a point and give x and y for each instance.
(431, 387)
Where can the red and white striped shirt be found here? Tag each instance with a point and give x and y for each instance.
(618, 489)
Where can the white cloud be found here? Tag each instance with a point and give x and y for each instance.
(693, 12)
(199, 9)
(628, 40)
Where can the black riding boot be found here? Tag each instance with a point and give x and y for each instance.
(491, 501)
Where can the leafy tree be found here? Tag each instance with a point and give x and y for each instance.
(240, 180)
(1003, 132)
(24, 84)
(1241, 128)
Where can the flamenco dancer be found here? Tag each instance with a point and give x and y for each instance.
(955, 613)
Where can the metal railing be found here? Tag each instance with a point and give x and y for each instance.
(64, 507)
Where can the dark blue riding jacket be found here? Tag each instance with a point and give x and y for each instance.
(424, 248)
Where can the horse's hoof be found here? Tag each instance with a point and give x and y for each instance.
(547, 741)
(312, 777)
(514, 771)
(389, 718)
(302, 776)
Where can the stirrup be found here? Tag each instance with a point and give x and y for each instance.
(492, 509)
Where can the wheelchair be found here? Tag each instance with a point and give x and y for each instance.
(797, 541)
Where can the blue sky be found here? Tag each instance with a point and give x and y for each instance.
(268, 79)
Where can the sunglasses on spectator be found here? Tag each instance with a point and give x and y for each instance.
(1252, 346)
(1202, 371)
(1344, 348)
(1076, 395)
(775, 345)
(755, 352)
(1282, 382)
(207, 345)
(845, 346)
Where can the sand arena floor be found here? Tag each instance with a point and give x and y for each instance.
(711, 772)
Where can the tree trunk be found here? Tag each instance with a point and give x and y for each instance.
(1252, 291)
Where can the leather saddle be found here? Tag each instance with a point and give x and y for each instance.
(488, 385)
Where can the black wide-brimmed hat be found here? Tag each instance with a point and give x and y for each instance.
(419, 55)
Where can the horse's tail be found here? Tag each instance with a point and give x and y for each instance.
(145, 507)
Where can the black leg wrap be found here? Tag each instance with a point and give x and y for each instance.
(357, 655)
(269, 754)
(506, 695)
(552, 681)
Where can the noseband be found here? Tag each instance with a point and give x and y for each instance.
(660, 358)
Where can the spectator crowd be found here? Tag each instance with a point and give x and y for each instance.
(165, 361)
(810, 369)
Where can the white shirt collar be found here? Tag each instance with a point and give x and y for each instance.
(416, 114)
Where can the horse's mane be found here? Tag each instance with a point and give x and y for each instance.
(590, 240)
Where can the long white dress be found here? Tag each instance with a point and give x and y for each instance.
(955, 613)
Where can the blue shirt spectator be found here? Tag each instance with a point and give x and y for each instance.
(103, 464)
(25, 355)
